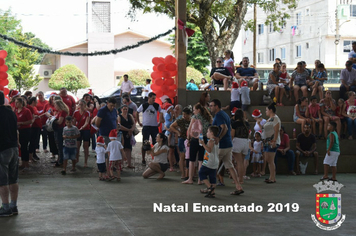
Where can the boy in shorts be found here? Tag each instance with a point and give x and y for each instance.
(332, 152)
(100, 157)
(245, 96)
(115, 152)
(70, 135)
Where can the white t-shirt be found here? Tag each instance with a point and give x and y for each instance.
(352, 54)
(161, 158)
(149, 117)
(114, 148)
(235, 94)
(245, 95)
(268, 128)
(211, 159)
(147, 87)
(257, 146)
(257, 127)
(100, 154)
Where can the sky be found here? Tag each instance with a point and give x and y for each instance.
(63, 23)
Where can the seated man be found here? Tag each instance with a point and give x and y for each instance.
(247, 73)
(348, 80)
(306, 146)
(285, 152)
(220, 74)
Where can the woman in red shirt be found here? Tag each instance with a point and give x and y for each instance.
(62, 113)
(82, 121)
(35, 129)
(41, 103)
(24, 121)
(49, 108)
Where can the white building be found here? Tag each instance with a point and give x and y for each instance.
(309, 34)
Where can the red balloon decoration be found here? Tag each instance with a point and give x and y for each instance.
(166, 75)
(159, 82)
(169, 82)
(173, 73)
(171, 93)
(156, 75)
(157, 60)
(6, 91)
(171, 67)
(173, 87)
(3, 54)
(161, 67)
(155, 68)
(4, 68)
(2, 61)
(154, 87)
(164, 89)
(3, 75)
(168, 59)
(1, 87)
(4, 82)
(159, 94)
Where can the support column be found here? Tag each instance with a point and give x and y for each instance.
(181, 55)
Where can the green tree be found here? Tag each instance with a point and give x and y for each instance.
(70, 77)
(137, 77)
(23, 72)
(194, 74)
(12, 84)
(197, 51)
(220, 21)
(37, 42)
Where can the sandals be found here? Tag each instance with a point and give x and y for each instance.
(237, 192)
(269, 181)
(110, 178)
(211, 193)
(324, 178)
(205, 190)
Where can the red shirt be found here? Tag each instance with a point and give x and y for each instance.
(46, 109)
(284, 141)
(314, 110)
(70, 102)
(95, 112)
(40, 105)
(80, 119)
(64, 115)
(23, 116)
(37, 123)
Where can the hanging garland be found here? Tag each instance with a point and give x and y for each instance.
(77, 54)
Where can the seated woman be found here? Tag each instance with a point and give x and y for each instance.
(350, 106)
(328, 107)
(301, 112)
(273, 84)
(159, 165)
(204, 85)
(300, 77)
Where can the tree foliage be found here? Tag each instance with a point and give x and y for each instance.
(197, 51)
(12, 84)
(194, 74)
(70, 77)
(37, 42)
(137, 77)
(220, 21)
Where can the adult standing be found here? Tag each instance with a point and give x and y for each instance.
(180, 127)
(41, 103)
(247, 73)
(199, 124)
(49, 108)
(131, 105)
(240, 143)
(300, 77)
(62, 112)
(306, 146)
(146, 90)
(68, 100)
(149, 121)
(8, 159)
(348, 80)
(220, 74)
(24, 121)
(272, 140)
(127, 127)
(126, 86)
(222, 120)
(81, 119)
(285, 151)
(35, 129)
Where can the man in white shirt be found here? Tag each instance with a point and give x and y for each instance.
(126, 86)
(347, 79)
(149, 121)
(146, 90)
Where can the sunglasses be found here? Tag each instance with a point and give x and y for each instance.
(218, 61)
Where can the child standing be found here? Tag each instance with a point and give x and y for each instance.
(115, 152)
(229, 62)
(100, 157)
(211, 161)
(245, 96)
(257, 155)
(70, 135)
(315, 116)
(235, 96)
(332, 153)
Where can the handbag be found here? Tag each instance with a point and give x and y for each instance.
(135, 131)
(266, 99)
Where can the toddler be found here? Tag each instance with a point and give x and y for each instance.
(257, 155)
(100, 157)
(115, 152)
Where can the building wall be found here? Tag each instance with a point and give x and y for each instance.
(80, 62)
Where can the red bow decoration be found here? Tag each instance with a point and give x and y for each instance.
(188, 31)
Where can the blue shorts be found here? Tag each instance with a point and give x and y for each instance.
(69, 153)
(181, 146)
(267, 148)
(101, 167)
(206, 172)
(84, 135)
(247, 157)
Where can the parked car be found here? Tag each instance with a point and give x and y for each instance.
(48, 94)
(136, 95)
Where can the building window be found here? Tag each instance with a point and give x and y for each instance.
(101, 17)
(283, 53)
(307, 11)
(348, 45)
(271, 27)
(299, 50)
(260, 28)
(260, 57)
(299, 18)
(353, 10)
(272, 54)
